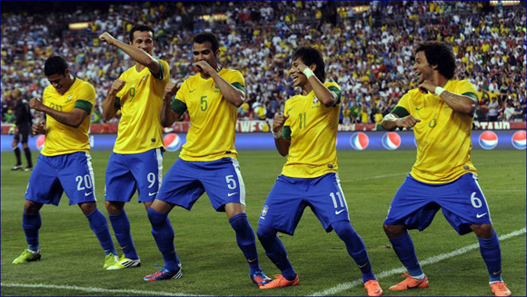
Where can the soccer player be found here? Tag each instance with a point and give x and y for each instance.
(65, 163)
(207, 162)
(23, 122)
(306, 133)
(440, 112)
(137, 161)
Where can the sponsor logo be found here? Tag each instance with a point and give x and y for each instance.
(230, 194)
(88, 194)
(192, 91)
(480, 215)
(152, 194)
(359, 141)
(419, 108)
(172, 142)
(518, 140)
(391, 141)
(338, 212)
(488, 140)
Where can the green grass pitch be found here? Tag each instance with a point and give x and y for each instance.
(212, 263)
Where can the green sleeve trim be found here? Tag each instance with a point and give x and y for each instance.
(117, 103)
(471, 95)
(238, 86)
(178, 106)
(84, 105)
(400, 111)
(286, 132)
(161, 71)
(336, 91)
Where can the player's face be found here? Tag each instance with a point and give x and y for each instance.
(143, 40)
(203, 52)
(421, 68)
(61, 82)
(299, 79)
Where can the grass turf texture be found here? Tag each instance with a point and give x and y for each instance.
(214, 265)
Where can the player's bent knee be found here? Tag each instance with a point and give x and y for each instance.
(114, 207)
(88, 207)
(343, 229)
(483, 231)
(393, 231)
(265, 233)
(32, 207)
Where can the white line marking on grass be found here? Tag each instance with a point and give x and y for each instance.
(381, 176)
(94, 290)
(432, 260)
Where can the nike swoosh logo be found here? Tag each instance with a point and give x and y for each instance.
(191, 91)
(230, 194)
(338, 212)
(497, 272)
(87, 194)
(419, 108)
(152, 194)
(480, 215)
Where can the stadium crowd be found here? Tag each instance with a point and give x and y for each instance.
(369, 52)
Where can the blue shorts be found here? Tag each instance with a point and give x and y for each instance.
(186, 181)
(290, 196)
(416, 203)
(70, 173)
(127, 172)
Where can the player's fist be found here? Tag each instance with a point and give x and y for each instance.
(407, 122)
(278, 122)
(170, 90)
(117, 85)
(107, 37)
(36, 104)
(427, 86)
(204, 67)
(39, 128)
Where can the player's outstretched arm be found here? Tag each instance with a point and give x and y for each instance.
(392, 121)
(168, 116)
(230, 93)
(324, 95)
(138, 55)
(73, 119)
(460, 103)
(282, 145)
(108, 105)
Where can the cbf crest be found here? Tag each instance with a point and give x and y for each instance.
(264, 211)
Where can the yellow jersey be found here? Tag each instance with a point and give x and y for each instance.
(443, 135)
(213, 119)
(62, 139)
(140, 102)
(312, 128)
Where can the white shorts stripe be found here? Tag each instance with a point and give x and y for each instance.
(236, 166)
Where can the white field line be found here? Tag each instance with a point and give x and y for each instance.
(432, 260)
(93, 289)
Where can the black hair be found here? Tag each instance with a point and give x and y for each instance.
(203, 37)
(310, 56)
(140, 28)
(439, 54)
(55, 65)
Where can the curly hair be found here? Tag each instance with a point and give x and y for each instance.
(439, 54)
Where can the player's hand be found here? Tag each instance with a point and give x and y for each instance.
(427, 86)
(12, 129)
(171, 89)
(39, 128)
(107, 37)
(301, 66)
(117, 86)
(204, 67)
(407, 122)
(36, 104)
(278, 122)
